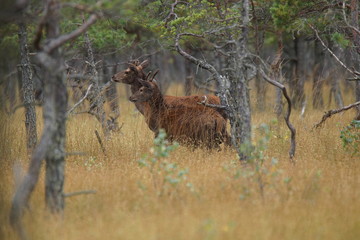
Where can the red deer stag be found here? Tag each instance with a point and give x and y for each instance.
(195, 125)
(135, 72)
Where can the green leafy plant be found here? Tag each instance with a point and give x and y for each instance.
(260, 173)
(350, 136)
(166, 176)
(92, 163)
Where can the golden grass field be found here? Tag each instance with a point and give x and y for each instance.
(322, 200)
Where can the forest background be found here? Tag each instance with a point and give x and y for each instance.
(112, 189)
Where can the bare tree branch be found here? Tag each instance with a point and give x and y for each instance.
(329, 113)
(172, 13)
(64, 38)
(287, 116)
(345, 20)
(81, 100)
(201, 63)
(355, 73)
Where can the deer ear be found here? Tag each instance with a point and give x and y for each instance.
(133, 67)
(144, 64)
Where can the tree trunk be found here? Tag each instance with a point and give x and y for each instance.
(10, 90)
(27, 90)
(95, 97)
(356, 51)
(111, 92)
(189, 79)
(259, 81)
(334, 75)
(55, 107)
(299, 81)
(276, 68)
(318, 100)
(238, 99)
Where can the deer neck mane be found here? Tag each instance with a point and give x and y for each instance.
(157, 100)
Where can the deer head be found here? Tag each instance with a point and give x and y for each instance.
(147, 90)
(132, 73)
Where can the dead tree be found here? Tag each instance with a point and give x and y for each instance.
(27, 89)
(111, 97)
(95, 99)
(52, 143)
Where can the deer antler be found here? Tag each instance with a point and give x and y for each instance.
(148, 76)
(153, 76)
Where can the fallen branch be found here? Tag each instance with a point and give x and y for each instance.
(287, 116)
(79, 193)
(329, 113)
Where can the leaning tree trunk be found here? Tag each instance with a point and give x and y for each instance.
(27, 89)
(52, 143)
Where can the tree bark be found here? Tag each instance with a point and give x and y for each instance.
(55, 108)
(189, 79)
(356, 51)
(259, 81)
(238, 98)
(277, 75)
(111, 92)
(27, 89)
(318, 82)
(298, 97)
(96, 98)
(335, 91)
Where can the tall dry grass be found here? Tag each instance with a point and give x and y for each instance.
(318, 198)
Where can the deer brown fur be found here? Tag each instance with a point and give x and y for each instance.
(135, 72)
(196, 125)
